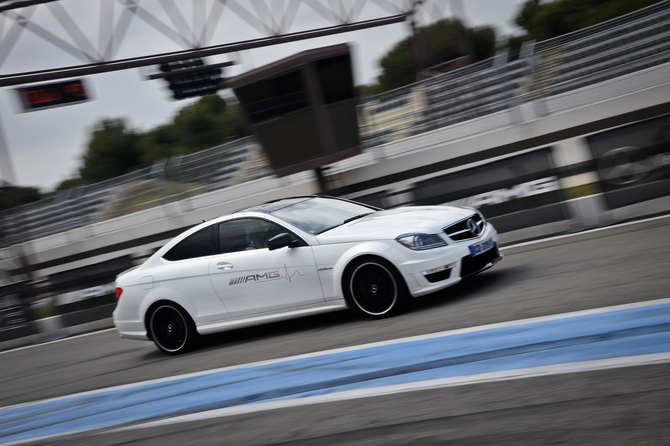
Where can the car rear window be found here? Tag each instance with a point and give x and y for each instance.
(199, 244)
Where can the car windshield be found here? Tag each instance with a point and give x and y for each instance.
(317, 215)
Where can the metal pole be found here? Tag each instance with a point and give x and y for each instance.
(6, 169)
(418, 45)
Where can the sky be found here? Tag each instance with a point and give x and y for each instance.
(45, 147)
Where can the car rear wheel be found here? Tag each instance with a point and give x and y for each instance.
(172, 329)
(374, 288)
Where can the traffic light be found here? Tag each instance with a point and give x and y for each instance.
(191, 77)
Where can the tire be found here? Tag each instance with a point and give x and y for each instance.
(172, 329)
(374, 288)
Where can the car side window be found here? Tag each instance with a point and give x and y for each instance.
(199, 244)
(247, 234)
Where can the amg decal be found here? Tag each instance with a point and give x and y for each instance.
(535, 187)
(255, 278)
(265, 277)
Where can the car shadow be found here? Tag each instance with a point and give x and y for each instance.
(469, 288)
(319, 322)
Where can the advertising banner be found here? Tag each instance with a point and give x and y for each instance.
(87, 293)
(633, 161)
(517, 192)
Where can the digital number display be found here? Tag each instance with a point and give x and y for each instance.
(37, 97)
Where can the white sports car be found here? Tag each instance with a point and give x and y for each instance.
(295, 257)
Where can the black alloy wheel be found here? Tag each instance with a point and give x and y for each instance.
(375, 288)
(172, 330)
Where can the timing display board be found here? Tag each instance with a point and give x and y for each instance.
(39, 97)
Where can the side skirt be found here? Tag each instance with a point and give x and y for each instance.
(267, 318)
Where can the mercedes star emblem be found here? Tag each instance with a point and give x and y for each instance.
(624, 165)
(473, 227)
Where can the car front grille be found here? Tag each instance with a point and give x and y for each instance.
(471, 265)
(461, 231)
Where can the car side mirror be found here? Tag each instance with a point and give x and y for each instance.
(280, 241)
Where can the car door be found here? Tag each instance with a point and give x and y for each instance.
(185, 275)
(250, 279)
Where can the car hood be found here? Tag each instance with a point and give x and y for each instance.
(387, 225)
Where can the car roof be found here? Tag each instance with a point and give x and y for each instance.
(274, 205)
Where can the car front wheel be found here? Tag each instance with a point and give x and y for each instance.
(374, 288)
(172, 329)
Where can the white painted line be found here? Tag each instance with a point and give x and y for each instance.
(576, 367)
(363, 346)
(588, 231)
(56, 341)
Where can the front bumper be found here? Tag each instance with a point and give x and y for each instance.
(435, 269)
(473, 265)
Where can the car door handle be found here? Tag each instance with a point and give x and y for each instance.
(224, 265)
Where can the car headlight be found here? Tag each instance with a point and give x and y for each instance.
(419, 242)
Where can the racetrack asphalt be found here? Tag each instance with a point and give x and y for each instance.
(616, 266)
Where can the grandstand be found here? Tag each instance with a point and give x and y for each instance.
(620, 46)
(477, 90)
(392, 115)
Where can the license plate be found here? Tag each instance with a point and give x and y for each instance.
(481, 247)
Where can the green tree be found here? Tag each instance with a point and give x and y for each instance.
(543, 21)
(70, 183)
(199, 125)
(112, 151)
(443, 41)
(12, 196)
(115, 149)
(159, 143)
(206, 123)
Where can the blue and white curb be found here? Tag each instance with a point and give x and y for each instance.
(587, 366)
(619, 336)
